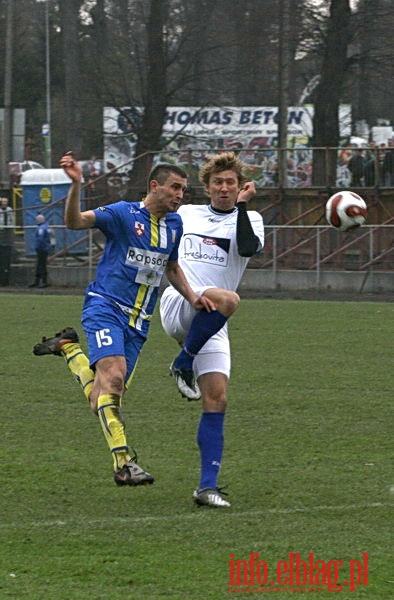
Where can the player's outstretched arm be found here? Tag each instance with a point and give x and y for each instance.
(73, 217)
(177, 278)
(247, 192)
(247, 242)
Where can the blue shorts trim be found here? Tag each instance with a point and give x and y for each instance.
(108, 333)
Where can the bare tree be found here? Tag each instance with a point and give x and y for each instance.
(6, 130)
(220, 52)
(373, 60)
(329, 92)
(155, 55)
(154, 94)
(284, 83)
(69, 12)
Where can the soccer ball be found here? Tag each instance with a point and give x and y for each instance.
(346, 211)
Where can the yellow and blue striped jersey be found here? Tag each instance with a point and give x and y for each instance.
(138, 247)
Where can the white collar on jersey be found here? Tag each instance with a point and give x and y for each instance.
(215, 211)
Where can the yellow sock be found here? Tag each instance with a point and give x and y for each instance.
(112, 424)
(78, 363)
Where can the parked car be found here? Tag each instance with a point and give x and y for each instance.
(17, 168)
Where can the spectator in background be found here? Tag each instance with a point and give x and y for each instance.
(388, 167)
(7, 223)
(369, 168)
(43, 247)
(344, 156)
(93, 171)
(94, 167)
(381, 153)
(356, 166)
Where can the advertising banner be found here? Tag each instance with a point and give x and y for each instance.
(192, 133)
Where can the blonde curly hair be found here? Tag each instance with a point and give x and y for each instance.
(225, 161)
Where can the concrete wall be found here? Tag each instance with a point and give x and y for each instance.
(254, 280)
(335, 281)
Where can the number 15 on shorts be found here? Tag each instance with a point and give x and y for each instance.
(103, 338)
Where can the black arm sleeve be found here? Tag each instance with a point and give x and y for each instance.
(247, 241)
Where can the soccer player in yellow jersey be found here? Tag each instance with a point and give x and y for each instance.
(142, 240)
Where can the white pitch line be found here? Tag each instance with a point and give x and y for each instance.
(197, 513)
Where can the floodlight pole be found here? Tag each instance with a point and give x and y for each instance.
(6, 137)
(47, 131)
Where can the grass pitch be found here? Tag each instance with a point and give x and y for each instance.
(307, 459)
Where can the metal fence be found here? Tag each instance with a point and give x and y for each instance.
(345, 166)
(317, 248)
(296, 247)
(310, 257)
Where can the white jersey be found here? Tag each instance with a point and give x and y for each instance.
(208, 251)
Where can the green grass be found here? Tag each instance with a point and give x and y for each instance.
(307, 458)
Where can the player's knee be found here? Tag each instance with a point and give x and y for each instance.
(116, 382)
(231, 302)
(214, 402)
(110, 378)
(226, 301)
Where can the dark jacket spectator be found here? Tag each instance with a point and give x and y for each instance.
(43, 247)
(370, 169)
(388, 168)
(356, 166)
(7, 224)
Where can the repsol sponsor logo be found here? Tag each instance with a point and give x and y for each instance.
(139, 257)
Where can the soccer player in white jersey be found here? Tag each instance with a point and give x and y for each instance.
(142, 240)
(216, 245)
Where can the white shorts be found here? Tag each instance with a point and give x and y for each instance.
(176, 315)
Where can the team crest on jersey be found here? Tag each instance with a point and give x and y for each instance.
(139, 228)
